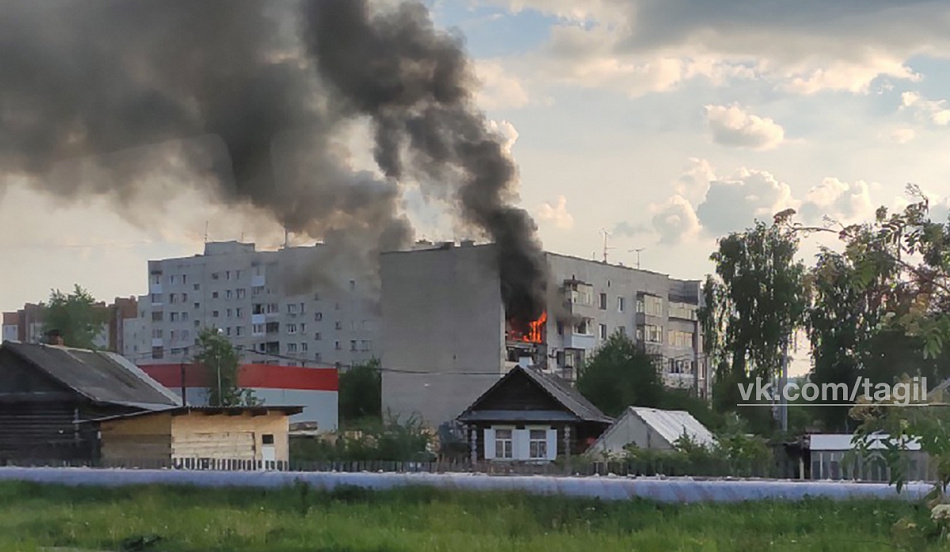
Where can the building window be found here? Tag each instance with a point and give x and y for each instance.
(317, 316)
(196, 287)
(171, 279)
(257, 329)
(272, 308)
(650, 304)
(352, 344)
(317, 336)
(239, 312)
(184, 279)
(229, 313)
(336, 345)
(214, 294)
(241, 293)
(603, 301)
(197, 323)
(214, 314)
(157, 353)
(227, 294)
(227, 274)
(239, 330)
(292, 309)
(156, 298)
(302, 308)
(291, 347)
(157, 278)
(291, 328)
(228, 331)
(560, 328)
(197, 306)
(621, 304)
(257, 290)
(237, 274)
(174, 316)
(214, 275)
(504, 446)
(338, 325)
(157, 333)
(653, 334)
(603, 331)
(366, 345)
(303, 347)
(622, 330)
(184, 316)
(157, 316)
(352, 285)
(538, 444)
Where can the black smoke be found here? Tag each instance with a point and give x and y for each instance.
(254, 96)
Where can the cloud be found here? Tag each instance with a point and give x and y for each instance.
(837, 200)
(499, 88)
(734, 203)
(731, 126)
(507, 132)
(934, 111)
(693, 182)
(556, 213)
(902, 135)
(675, 221)
(804, 47)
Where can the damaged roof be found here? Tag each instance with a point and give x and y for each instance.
(101, 377)
(559, 389)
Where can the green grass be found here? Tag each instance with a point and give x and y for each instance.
(419, 519)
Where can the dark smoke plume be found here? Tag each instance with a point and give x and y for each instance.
(416, 84)
(255, 94)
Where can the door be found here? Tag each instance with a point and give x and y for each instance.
(268, 452)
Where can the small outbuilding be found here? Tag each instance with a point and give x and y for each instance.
(47, 392)
(530, 416)
(196, 435)
(650, 428)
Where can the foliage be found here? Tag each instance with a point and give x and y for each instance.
(735, 453)
(620, 374)
(391, 441)
(220, 361)
(76, 316)
(360, 391)
(36, 517)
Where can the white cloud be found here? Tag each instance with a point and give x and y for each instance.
(694, 181)
(675, 221)
(804, 47)
(734, 203)
(499, 88)
(934, 111)
(556, 213)
(732, 126)
(840, 201)
(506, 131)
(902, 135)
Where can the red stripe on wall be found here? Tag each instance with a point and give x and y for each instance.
(259, 376)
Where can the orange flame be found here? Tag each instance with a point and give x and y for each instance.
(536, 329)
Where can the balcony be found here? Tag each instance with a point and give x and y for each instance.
(580, 341)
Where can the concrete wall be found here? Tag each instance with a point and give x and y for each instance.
(443, 343)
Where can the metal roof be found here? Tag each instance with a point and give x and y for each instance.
(559, 389)
(208, 410)
(846, 441)
(99, 376)
(672, 424)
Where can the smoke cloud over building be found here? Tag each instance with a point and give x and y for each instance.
(250, 98)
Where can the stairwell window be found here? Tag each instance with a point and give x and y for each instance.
(504, 444)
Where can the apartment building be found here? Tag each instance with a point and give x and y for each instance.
(446, 337)
(27, 325)
(296, 306)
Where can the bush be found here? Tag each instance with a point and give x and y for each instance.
(391, 441)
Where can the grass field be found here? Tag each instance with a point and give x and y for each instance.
(33, 517)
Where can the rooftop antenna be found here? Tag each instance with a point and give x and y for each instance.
(606, 248)
(206, 231)
(638, 250)
(286, 237)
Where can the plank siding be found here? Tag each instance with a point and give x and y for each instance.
(519, 393)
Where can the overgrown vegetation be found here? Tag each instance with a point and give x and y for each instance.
(77, 317)
(361, 395)
(422, 520)
(620, 373)
(220, 361)
(393, 441)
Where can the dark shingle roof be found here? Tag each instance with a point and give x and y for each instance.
(559, 389)
(99, 376)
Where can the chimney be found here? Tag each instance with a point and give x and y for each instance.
(54, 337)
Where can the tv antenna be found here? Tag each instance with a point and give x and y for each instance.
(637, 250)
(606, 247)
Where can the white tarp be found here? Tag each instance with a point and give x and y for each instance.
(681, 490)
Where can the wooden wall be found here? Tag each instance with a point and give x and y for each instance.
(198, 435)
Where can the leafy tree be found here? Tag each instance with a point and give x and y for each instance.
(220, 361)
(361, 393)
(754, 304)
(76, 317)
(620, 374)
(393, 440)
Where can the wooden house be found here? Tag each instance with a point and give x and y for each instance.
(530, 416)
(47, 392)
(194, 435)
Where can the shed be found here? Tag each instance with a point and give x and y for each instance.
(46, 391)
(190, 434)
(531, 416)
(829, 457)
(650, 428)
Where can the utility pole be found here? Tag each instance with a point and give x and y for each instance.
(783, 402)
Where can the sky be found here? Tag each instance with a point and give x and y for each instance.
(665, 123)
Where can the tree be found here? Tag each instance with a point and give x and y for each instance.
(620, 374)
(220, 362)
(361, 393)
(76, 316)
(753, 306)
